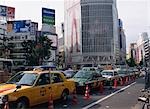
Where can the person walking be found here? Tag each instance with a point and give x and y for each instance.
(147, 78)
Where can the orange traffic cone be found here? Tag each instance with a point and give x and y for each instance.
(101, 87)
(50, 102)
(115, 83)
(6, 105)
(87, 93)
(74, 98)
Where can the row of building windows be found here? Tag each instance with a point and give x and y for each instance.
(96, 48)
(106, 13)
(96, 7)
(94, 19)
(97, 41)
(96, 34)
(100, 27)
(20, 37)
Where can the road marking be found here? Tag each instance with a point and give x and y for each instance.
(97, 102)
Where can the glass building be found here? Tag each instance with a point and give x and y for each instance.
(91, 32)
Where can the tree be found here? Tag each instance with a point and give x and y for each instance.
(5, 47)
(36, 52)
(131, 62)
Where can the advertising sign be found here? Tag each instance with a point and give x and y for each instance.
(7, 11)
(21, 26)
(3, 10)
(10, 12)
(9, 26)
(48, 16)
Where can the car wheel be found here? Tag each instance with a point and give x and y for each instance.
(64, 95)
(22, 104)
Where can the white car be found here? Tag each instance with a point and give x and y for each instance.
(110, 74)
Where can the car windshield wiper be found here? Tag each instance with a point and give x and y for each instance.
(26, 84)
(10, 82)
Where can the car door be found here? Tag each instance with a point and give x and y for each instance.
(57, 85)
(41, 90)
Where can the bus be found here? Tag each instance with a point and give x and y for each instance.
(6, 69)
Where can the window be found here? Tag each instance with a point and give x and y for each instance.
(44, 79)
(115, 73)
(56, 78)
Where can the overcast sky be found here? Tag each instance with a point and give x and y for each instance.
(134, 13)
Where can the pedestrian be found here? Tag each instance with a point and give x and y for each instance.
(147, 79)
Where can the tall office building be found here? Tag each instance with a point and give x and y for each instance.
(91, 32)
(122, 43)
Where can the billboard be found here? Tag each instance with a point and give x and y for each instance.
(21, 26)
(10, 12)
(7, 11)
(3, 11)
(9, 26)
(48, 16)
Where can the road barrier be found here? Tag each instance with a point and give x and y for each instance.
(101, 87)
(121, 82)
(6, 105)
(126, 80)
(50, 102)
(74, 98)
(115, 83)
(87, 93)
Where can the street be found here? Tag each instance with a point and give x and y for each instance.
(123, 97)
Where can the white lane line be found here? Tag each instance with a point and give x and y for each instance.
(95, 103)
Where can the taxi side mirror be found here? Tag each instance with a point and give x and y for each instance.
(18, 86)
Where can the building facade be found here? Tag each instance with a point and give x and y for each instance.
(122, 43)
(3, 33)
(91, 32)
(50, 32)
(133, 51)
(20, 31)
(143, 49)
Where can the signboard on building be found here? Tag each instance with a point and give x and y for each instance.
(8, 12)
(9, 26)
(21, 26)
(48, 16)
(3, 11)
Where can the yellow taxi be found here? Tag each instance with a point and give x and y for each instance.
(29, 88)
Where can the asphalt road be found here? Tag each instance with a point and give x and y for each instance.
(122, 97)
(125, 99)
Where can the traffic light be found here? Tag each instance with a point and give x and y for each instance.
(61, 59)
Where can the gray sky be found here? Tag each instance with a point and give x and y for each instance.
(134, 13)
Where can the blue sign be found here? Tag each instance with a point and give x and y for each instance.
(21, 26)
(3, 10)
(48, 16)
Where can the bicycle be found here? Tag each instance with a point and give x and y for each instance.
(145, 99)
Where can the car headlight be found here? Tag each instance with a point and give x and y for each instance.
(3, 99)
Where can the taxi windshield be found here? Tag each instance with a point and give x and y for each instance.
(23, 78)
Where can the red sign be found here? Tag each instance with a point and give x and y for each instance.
(10, 12)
